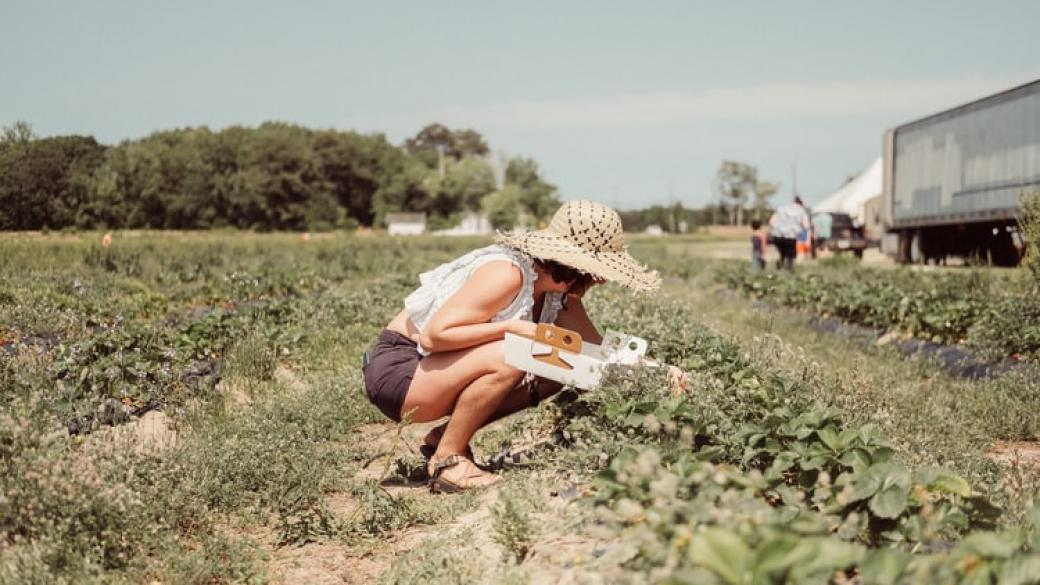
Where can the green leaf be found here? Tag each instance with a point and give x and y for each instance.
(890, 501)
(882, 455)
(634, 420)
(1033, 537)
(813, 463)
(950, 483)
(782, 463)
(865, 485)
(832, 555)
(723, 553)
(778, 555)
(990, 544)
(1022, 570)
(803, 432)
(884, 567)
(895, 474)
(830, 438)
(858, 459)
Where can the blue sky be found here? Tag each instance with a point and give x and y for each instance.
(630, 103)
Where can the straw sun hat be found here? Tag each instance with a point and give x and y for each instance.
(587, 236)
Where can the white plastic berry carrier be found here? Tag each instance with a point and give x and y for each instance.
(560, 354)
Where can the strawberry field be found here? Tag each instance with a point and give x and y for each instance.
(188, 409)
(993, 313)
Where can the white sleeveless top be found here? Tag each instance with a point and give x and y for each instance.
(439, 284)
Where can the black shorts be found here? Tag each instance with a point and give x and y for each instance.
(392, 362)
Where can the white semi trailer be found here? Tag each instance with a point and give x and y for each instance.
(953, 181)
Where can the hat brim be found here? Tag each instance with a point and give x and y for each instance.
(619, 267)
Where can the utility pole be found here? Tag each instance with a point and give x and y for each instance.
(672, 227)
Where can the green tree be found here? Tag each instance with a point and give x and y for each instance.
(504, 207)
(764, 191)
(539, 198)
(736, 183)
(468, 143)
(279, 176)
(43, 182)
(404, 187)
(351, 168)
(276, 176)
(436, 143)
(471, 179)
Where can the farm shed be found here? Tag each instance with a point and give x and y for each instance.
(405, 224)
(472, 224)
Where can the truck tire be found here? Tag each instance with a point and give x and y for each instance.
(903, 242)
(914, 254)
(1002, 251)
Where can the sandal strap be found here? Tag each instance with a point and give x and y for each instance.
(449, 461)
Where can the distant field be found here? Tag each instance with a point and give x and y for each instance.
(187, 408)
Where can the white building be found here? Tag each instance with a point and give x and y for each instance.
(472, 224)
(405, 224)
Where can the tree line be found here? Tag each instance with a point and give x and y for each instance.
(273, 177)
(286, 177)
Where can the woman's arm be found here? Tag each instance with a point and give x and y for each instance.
(463, 320)
(574, 317)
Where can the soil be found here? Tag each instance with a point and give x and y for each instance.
(554, 557)
(957, 361)
(1028, 452)
(335, 561)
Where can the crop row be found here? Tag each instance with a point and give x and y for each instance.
(995, 315)
(748, 479)
(73, 287)
(262, 448)
(108, 333)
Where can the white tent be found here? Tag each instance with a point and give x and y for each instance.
(851, 197)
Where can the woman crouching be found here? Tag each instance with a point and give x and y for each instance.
(443, 355)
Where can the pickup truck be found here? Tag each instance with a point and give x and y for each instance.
(845, 235)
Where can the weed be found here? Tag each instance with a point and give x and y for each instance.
(1029, 220)
(513, 526)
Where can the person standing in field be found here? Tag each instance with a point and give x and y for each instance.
(759, 237)
(822, 223)
(786, 224)
(443, 354)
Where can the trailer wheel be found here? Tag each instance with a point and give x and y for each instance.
(1002, 249)
(914, 253)
(903, 246)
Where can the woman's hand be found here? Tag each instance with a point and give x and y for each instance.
(521, 327)
(679, 379)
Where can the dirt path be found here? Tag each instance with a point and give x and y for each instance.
(466, 542)
(1026, 453)
(338, 560)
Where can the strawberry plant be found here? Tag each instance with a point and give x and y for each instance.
(988, 312)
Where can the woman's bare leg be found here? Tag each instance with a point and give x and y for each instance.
(518, 399)
(468, 384)
(436, 392)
